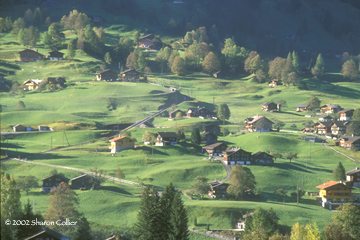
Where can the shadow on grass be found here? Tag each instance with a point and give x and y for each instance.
(115, 189)
(44, 156)
(299, 167)
(151, 150)
(296, 114)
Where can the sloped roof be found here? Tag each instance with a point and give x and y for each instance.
(59, 176)
(256, 118)
(18, 125)
(177, 110)
(352, 171)
(302, 106)
(267, 103)
(330, 184)
(260, 153)
(350, 139)
(208, 133)
(346, 110)
(326, 124)
(85, 175)
(50, 232)
(331, 106)
(117, 138)
(32, 51)
(104, 71)
(145, 36)
(214, 145)
(129, 70)
(217, 183)
(168, 134)
(56, 53)
(340, 123)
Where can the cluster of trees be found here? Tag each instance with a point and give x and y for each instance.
(267, 221)
(161, 218)
(136, 60)
(53, 39)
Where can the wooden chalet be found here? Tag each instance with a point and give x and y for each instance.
(269, 107)
(338, 127)
(302, 107)
(215, 149)
(166, 138)
(333, 194)
(209, 138)
(330, 108)
(121, 143)
(47, 234)
(107, 75)
(273, 83)
(325, 119)
(262, 158)
(346, 114)
(28, 55)
(56, 55)
(353, 177)
(19, 128)
(237, 156)
(145, 41)
(173, 113)
(201, 112)
(31, 84)
(307, 130)
(348, 142)
(53, 181)
(322, 127)
(85, 182)
(258, 124)
(130, 75)
(218, 189)
(213, 128)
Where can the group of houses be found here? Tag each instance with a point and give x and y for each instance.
(21, 128)
(82, 182)
(130, 75)
(335, 193)
(28, 55)
(33, 84)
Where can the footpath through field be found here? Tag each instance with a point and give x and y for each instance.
(324, 144)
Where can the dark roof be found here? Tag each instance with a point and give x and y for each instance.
(302, 106)
(326, 124)
(346, 110)
(85, 175)
(18, 125)
(56, 54)
(256, 118)
(50, 232)
(331, 106)
(214, 145)
(217, 183)
(177, 110)
(267, 103)
(104, 71)
(168, 134)
(129, 70)
(145, 36)
(352, 171)
(350, 139)
(260, 153)
(208, 133)
(212, 124)
(29, 50)
(340, 123)
(58, 175)
(329, 117)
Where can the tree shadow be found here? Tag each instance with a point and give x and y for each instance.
(299, 167)
(151, 150)
(115, 189)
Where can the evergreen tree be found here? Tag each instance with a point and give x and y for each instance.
(195, 137)
(296, 62)
(211, 63)
(319, 68)
(339, 173)
(28, 17)
(298, 232)
(17, 25)
(141, 62)
(107, 58)
(349, 219)
(353, 129)
(261, 219)
(83, 231)
(20, 105)
(27, 214)
(123, 48)
(163, 56)
(223, 112)
(166, 203)
(71, 49)
(136, 37)
(234, 55)
(289, 56)
(37, 17)
(21, 37)
(178, 220)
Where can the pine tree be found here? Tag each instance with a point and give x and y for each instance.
(71, 49)
(84, 231)
(37, 17)
(339, 173)
(298, 232)
(195, 137)
(296, 62)
(27, 214)
(178, 220)
(21, 36)
(166, 203)
(319, 68)
(289, 56)
(107, 58)
(141, 62)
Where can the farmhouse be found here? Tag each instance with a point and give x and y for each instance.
(346, 114)
(353, 177)
(215, 149)
(258, 124)
(31, 84)
(213, 128)
(121, 143)
(19, 128)
(262, 158)
(85, 182)
(349, 142)
(200, 112)
(330, 108)
(237, 156)
(333, 194)
(166, 138)
(241, 224)
(209, 138)
(322, 127)
(218, 189)
(106, 75)
(145, 42)
(173, 113)
(338, 127)
(269, 107)
(56, 55)
(47, 234)
(28, 55)
(325, 119)
(130, 75)
(302, 107)
(54, 180)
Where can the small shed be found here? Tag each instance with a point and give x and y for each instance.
(56, 55)
(19, 128)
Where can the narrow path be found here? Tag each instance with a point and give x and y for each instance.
(324, 144)
(78, 170)
(227, 168)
